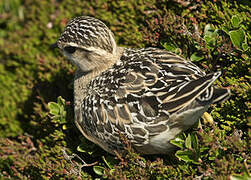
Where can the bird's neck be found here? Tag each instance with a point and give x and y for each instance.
(82, 79)
(106, 61)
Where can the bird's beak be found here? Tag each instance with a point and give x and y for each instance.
(53, 46)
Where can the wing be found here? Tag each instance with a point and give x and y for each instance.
(160, 81)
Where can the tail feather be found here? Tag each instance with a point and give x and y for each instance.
(220, 95)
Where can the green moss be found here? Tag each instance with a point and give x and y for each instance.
(31, 75)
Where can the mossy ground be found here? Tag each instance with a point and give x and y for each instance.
(31, 75)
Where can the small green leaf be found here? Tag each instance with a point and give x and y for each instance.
(99, 170)
(207, 118)
(64, 127)
(112, 171)
(178, 142)
(194, 140)
(188, 142)
(202, 149)
(211, 158)
(60, 101)
(198, 125)
(169, 46)
(109, 161)
(54, 108)
(186, 155)
(80, 149)
(196, 57)
(237, 37)
(225, 29)
(245, 46)
(235, 21)
(210, 41)
(84, 149)
(208, 30)
(210, 35)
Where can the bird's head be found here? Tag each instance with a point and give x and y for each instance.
(88, 43)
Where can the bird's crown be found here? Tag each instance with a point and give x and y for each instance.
(88, 33)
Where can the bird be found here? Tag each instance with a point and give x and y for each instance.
(147, 95)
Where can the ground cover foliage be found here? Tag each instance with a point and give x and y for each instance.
(38, 139)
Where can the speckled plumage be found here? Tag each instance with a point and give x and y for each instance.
(148, 95)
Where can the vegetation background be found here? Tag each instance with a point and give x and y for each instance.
(38, 139)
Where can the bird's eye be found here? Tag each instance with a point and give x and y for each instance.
(70, 49)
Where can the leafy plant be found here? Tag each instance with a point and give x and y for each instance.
(189, 148)
(58, 112)
(237, 34)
